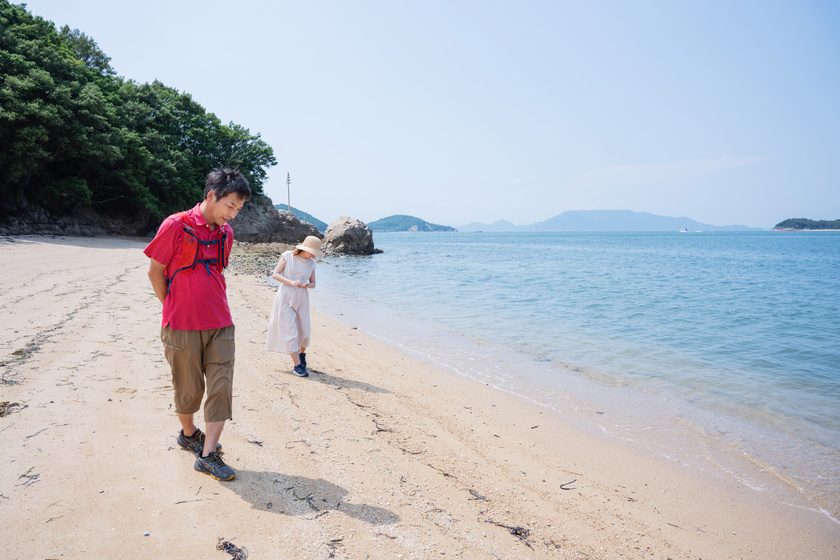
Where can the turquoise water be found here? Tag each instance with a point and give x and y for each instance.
(725, 341)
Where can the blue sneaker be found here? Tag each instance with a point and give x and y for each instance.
(194, 442)
(214, 466)
(300, 371)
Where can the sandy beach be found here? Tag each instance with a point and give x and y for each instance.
(375, 455)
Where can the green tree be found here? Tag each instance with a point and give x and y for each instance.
(87, 51)
(73, 132)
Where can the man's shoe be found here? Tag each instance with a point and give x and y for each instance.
(300, 371)
(303, 359)
(195, 442)
(214, 466)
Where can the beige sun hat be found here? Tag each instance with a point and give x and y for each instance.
(311, 245)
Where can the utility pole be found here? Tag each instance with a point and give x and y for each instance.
(288, 190)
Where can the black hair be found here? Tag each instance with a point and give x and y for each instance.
(224, 181)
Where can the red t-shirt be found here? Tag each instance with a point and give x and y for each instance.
(196, 301)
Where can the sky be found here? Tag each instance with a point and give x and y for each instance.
(460, 111)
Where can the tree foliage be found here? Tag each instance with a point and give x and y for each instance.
(73, 132)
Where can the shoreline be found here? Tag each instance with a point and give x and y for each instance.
(716, 444)
(375, 454)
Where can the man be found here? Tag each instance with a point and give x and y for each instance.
(188, 256)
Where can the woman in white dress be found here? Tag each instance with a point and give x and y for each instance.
(288, 327)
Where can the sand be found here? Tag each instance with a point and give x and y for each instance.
(375, 455)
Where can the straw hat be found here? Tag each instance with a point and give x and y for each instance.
(311, 245)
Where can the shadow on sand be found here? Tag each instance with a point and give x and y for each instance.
(320, 376)
(297, 495)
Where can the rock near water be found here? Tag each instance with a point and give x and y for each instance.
(260, 222)
(349, 236)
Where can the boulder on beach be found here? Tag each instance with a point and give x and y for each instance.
(260, 222)
(349, 236)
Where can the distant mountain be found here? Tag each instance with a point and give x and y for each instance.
(401, 222)
(607, 220)
(304, 217)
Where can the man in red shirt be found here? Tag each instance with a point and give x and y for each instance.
(188, 256)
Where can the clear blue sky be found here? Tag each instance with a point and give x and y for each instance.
(727, 112)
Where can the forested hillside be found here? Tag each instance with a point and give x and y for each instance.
(806, 224)
(73, 132)
(306, 217)
(401, 222)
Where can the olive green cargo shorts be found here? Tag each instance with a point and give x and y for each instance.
(200, 359)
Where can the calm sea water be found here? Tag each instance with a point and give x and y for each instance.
(720, 350)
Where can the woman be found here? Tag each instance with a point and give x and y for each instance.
(288, 326)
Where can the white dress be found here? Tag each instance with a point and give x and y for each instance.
(289, 327)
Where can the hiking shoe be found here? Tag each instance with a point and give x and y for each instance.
(195, 442)
(214, 466)
(303, 359)
(300, 371)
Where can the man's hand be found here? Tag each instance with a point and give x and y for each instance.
(157, 275)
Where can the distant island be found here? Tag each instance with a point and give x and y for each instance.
(607, 220)
(304, 217)
(804, 224)
(401, 222)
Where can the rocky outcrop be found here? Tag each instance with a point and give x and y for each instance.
(260, 222)
(349, 236)
(84, 220)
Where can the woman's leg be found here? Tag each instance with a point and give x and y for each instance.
(289, 331)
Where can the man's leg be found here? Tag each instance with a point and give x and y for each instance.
(219, 352)
(187, 424)
(218, 372)
(212, 435)
(183, 352)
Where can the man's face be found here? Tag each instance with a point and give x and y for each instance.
(219, 211)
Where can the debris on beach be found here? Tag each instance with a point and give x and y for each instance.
(7, 408)
(333, 544)
(565, 484)
(476, 495)
(236, 552)
(520, 532)
(30, 478)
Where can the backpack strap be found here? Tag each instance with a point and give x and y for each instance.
(190, 246)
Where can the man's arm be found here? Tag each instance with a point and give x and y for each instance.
(157, 275)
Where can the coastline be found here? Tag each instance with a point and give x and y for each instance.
(720, 448)
(377, 453)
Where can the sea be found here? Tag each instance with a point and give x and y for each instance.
(719, 351)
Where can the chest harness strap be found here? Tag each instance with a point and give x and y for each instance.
(190, 249)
